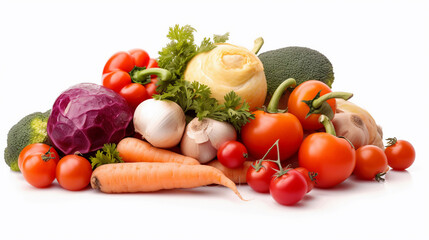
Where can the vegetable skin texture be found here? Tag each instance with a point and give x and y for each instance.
(30, 129)
(343, 128)
(151, 177)
(136, 150)
(237, 175)
(86, 116)
(228, 67)
(300, 63)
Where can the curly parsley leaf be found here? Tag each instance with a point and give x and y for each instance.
(108, 154)
(180, 50)
(194, 98)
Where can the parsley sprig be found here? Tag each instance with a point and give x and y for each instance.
(180, 50)
(108, 154)
(194, 98)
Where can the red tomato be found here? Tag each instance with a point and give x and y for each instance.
(35, 149)
(306, 91)
(400, 154)
(73, 172)
(288, 188)
(332, 158)
(259, 175)
(310, 177)
(371, 162)
(39, 169)
(260, 133)
(232, 154)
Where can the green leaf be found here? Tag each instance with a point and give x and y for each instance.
(176, 55)
(108, 154)
(221, 38)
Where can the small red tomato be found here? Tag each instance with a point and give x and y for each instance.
(39, 169)
(289, 188)
(371, 162)
(36, 149)
(400, 154)
(310, 177)
(259, 175)
(73, 172)
(232, 154)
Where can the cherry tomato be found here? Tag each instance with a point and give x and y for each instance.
(310, 177)
(400, 154)
(232, 154)
(307, 91)
(371, 163)
(289, 188)
(259, 175)
(260, 133)
(73, 172)
(35, 149)
(39, 169)
(331, 157)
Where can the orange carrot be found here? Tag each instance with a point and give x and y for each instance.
(150, 177)
(136, 150)
(237, 175)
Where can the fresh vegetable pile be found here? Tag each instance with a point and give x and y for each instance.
(205, 114)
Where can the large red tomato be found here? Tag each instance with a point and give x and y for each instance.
(331, 157)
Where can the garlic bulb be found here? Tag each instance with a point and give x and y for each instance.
(160, 122)
(230, 68)
(202, 138)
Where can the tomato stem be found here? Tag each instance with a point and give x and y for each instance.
(257, 45)
(379, 177)
(317, 103)
(391, 141)
(273, 106)
(326, 122)
(48, 155)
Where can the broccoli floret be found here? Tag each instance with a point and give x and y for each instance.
(30, 129)
(300, 63)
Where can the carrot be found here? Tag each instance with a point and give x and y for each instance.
(237, 175)
(150, 177)
(136, 150)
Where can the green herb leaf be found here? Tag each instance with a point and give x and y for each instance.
(194, 98)
(108, 154)
(180, 50)
(221, 38)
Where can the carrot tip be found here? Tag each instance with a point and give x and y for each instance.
(95, 183)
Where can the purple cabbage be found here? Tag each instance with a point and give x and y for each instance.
(87, 116)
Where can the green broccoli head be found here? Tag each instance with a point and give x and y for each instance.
(300, 63)
(30, 129)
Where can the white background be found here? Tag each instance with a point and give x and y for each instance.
(379, 50)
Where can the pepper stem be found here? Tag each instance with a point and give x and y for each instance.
(273, 106)
(319, 101)
(140, 76)
(326, 122)
(257, 45)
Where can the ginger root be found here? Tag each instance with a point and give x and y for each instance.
(357, 125)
